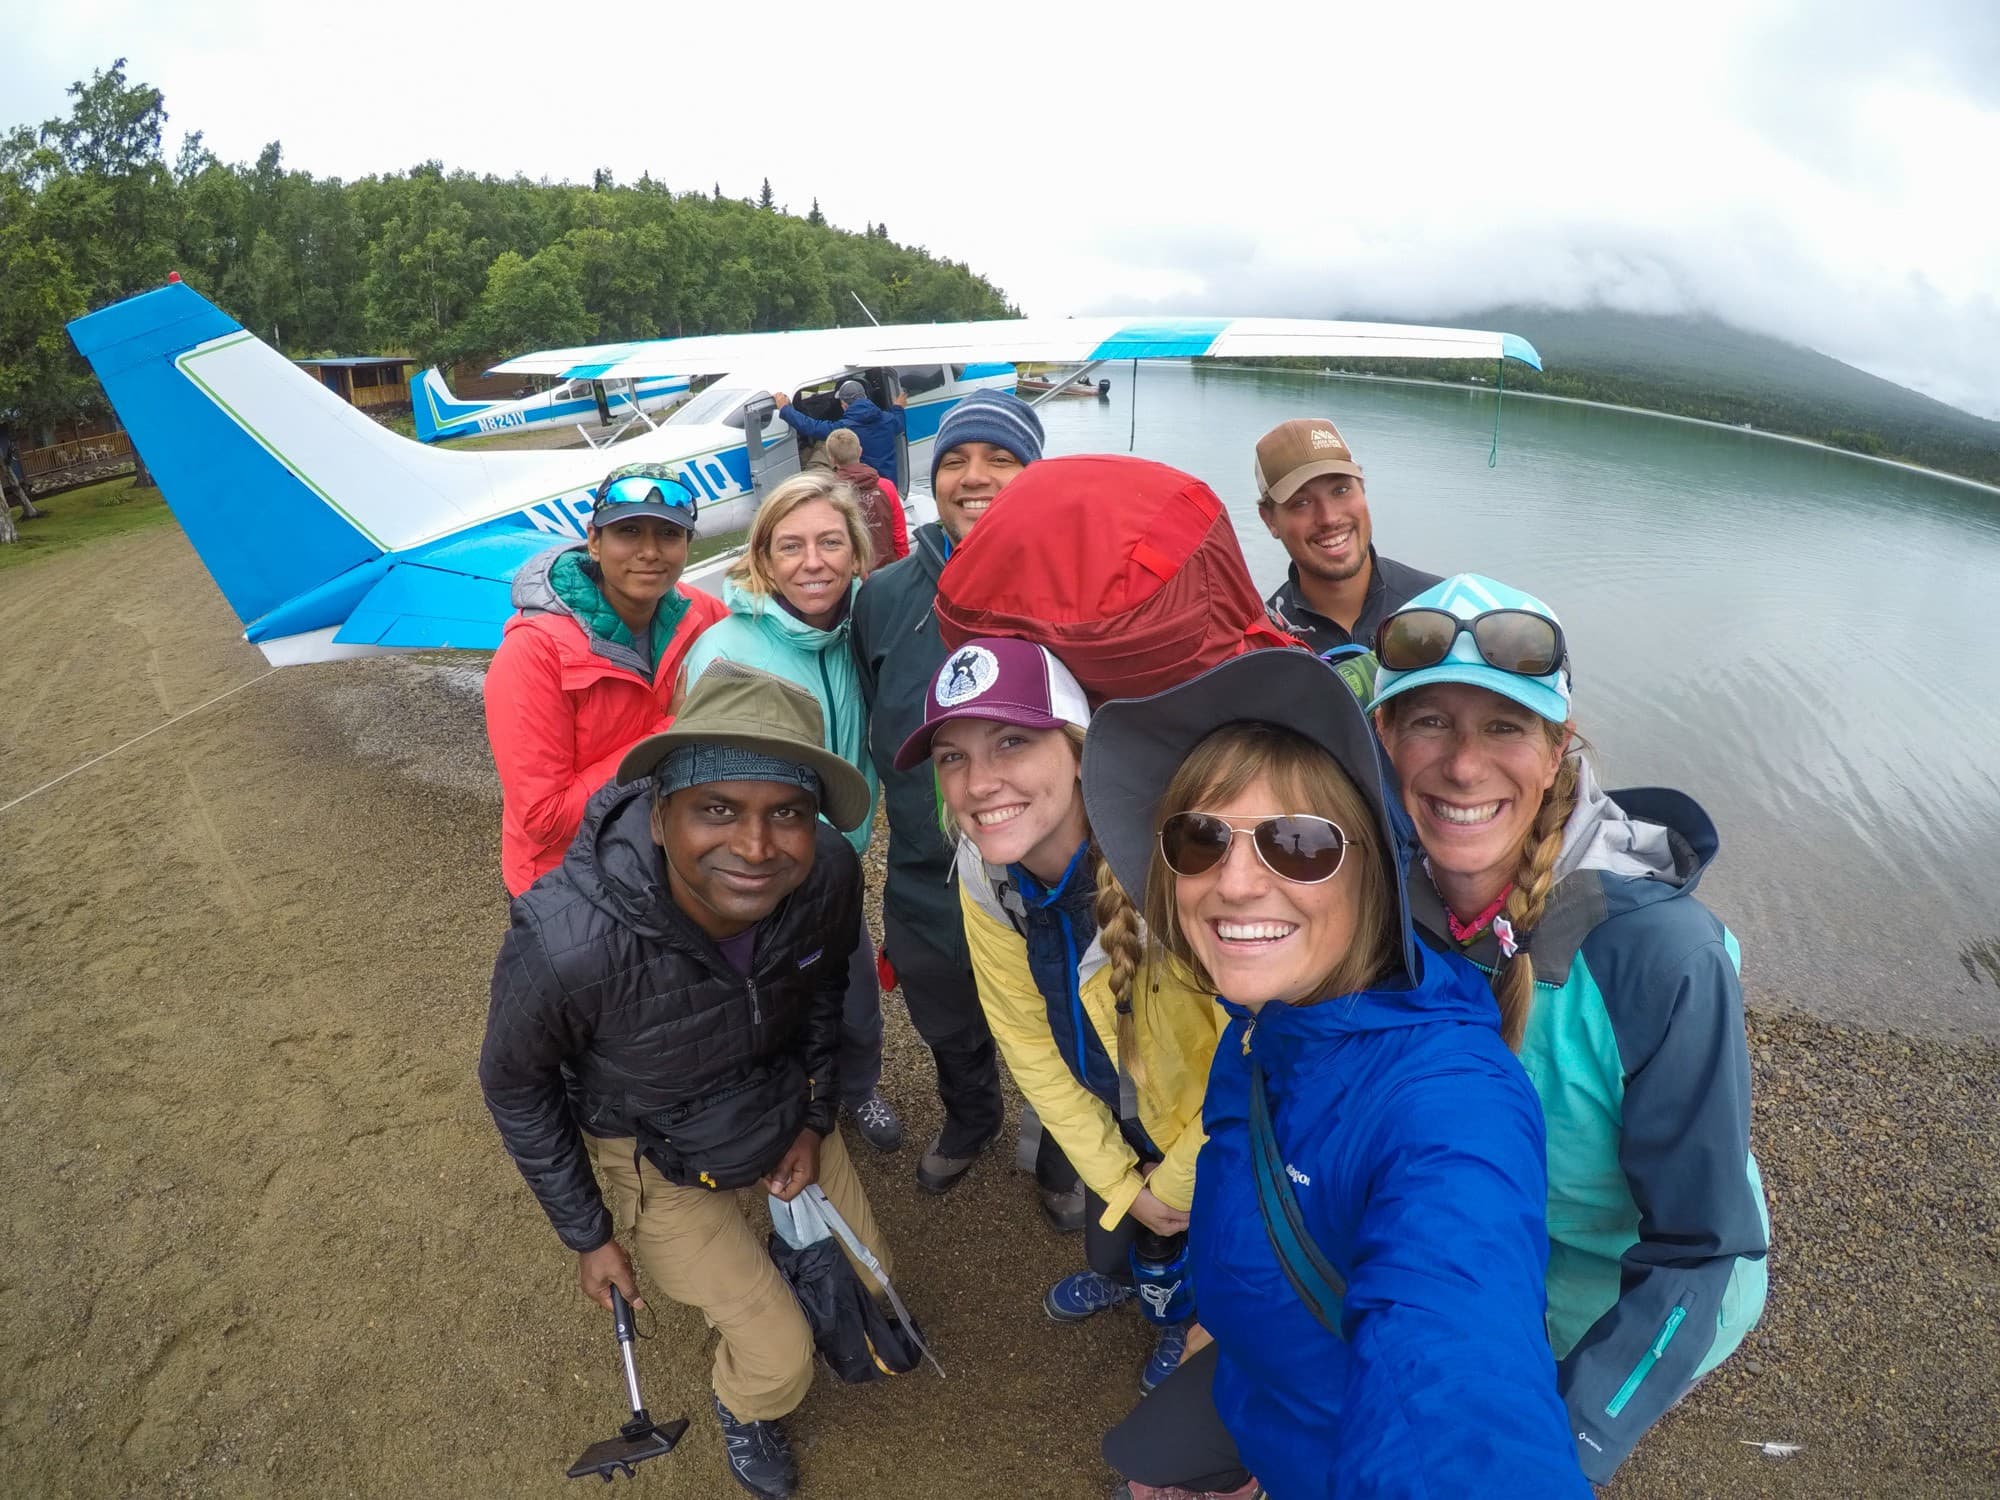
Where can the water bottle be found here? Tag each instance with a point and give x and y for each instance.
(1160, 1273)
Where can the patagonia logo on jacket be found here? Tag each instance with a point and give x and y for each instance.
(811, 958)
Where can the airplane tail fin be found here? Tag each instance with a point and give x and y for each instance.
(435, 408)
(282, 487)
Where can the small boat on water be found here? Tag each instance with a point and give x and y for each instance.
(1079, 386)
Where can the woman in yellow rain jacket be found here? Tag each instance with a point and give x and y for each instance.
(1107, 1041)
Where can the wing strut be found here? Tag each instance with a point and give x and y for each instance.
(630, 396)
(1057, 387)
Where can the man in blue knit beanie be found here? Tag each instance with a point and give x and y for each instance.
(982, 444)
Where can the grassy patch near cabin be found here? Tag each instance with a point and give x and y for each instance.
(76, 518)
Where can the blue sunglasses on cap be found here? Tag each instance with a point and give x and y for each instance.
(663, 495)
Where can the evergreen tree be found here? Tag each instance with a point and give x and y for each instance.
(422, 261)
(764, 199)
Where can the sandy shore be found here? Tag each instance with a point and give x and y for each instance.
(261, 1239)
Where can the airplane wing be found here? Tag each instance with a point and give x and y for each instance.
(1024, 340)
(458, 594)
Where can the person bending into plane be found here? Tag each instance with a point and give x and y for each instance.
(982, 445)
(878, 429)
(1311, 497)
(590, 665)
(666, 1008)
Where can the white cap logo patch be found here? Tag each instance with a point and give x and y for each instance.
(969, 672)
(1321, 438)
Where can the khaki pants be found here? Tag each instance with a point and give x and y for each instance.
(697, 1247)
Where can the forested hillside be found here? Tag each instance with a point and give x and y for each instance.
(440, 264)
(1698, 367)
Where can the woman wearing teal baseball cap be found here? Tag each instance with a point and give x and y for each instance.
(1616, 985)
(590, 664)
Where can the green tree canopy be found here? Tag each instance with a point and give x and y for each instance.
(429, 262)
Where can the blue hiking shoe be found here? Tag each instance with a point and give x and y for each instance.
(1084, 1295)
(1166, 1357)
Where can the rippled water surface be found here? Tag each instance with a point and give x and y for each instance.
(1804, 641)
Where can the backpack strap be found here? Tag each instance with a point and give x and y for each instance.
(1312, 1276)
(1357, 667)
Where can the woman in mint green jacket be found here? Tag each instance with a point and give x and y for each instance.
(788, 598)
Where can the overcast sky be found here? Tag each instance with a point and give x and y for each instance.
(1818, 169)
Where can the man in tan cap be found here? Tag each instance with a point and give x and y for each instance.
(1311, 497)
(666, 1010)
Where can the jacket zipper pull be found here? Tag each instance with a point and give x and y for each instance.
(1249, 1031)
(756, 1014)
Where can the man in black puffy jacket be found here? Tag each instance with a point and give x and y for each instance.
(666, 1009)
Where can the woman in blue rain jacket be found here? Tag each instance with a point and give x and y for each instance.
(1249, 804)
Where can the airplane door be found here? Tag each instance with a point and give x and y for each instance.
(892, 387)
(773, 458)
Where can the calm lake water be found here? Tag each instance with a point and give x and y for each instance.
(1789, 635)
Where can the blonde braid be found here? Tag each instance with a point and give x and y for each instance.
(1119, 932)
(1514, 981)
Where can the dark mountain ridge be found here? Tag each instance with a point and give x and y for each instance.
(1702, 367)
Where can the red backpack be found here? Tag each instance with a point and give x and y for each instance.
(1127, 570)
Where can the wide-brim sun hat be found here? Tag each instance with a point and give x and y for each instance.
(748, 709)
(1136, 745)
(1467, 596)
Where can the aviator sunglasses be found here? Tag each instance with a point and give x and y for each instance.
(1293, 846)
(1514, 640)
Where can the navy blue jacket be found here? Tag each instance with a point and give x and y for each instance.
(877, 429)
(1057, 924)
(1413, 1141)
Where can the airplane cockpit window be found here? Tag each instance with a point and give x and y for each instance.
(917, 379)
(719, 403)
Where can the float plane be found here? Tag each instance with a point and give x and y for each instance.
(626, 403)
(331, 536)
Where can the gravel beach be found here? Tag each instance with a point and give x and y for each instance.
(262, 1240)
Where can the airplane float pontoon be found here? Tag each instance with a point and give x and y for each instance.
(332, 537)
(620, 404)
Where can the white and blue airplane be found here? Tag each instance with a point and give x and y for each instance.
(332, 537)
(439, 414)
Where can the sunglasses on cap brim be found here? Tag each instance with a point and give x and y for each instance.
(1512, 640)
(640, 489)
(1297, 847)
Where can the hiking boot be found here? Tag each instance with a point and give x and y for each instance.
(757, 1454)
(1064, 1210)
(938, 1173)
(877, 1122)
(1165, 1358)
(1084, 1295)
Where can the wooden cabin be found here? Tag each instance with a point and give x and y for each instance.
(369, 381)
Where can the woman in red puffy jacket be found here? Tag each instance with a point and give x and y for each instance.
(591, 664)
